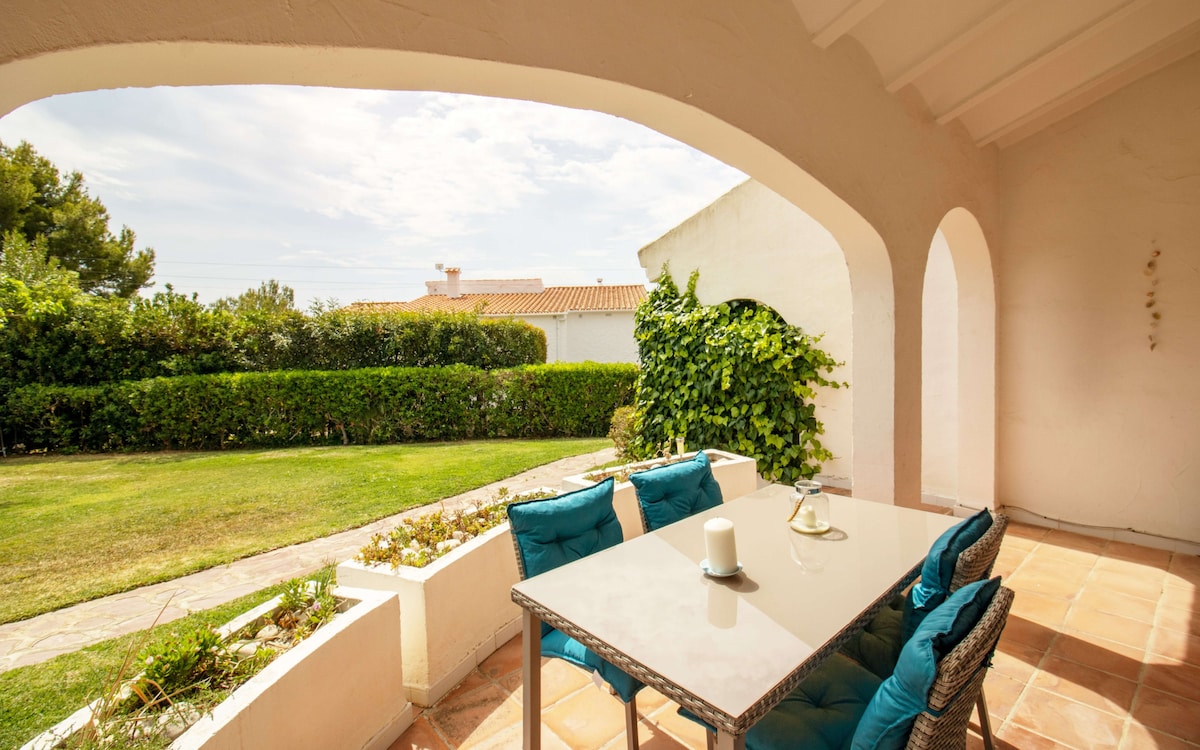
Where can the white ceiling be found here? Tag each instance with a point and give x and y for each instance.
(1008, 68)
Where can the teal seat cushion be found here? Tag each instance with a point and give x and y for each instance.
(671, 493)
(559, 645)
(888, 719)
(938, 570)
(557, 530)
(877, 647)
(821, 713)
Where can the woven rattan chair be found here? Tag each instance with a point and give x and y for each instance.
(959, 683)
(832, 707)
(972, 564)
(549, 532)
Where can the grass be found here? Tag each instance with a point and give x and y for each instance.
(82, 527)
(35, 698)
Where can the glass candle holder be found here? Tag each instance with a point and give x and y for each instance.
(810, 514)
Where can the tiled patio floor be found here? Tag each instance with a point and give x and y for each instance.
(1102, 650)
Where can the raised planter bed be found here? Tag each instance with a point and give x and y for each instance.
(454, 612)
(737, 475)
(340, 687)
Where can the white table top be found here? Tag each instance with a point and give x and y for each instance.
(725, 645)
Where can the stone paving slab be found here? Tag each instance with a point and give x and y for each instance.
(63, 631)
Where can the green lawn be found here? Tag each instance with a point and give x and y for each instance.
(35, 698)
(81, 527)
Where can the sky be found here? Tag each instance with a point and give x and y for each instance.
(353, 195)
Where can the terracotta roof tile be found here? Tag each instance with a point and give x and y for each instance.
(555, 299)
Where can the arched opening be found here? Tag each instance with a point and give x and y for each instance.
(192, 63)
(958, 395)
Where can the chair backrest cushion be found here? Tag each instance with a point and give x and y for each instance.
(671, 493)
(553, 531)
(938, 570)
(889, 717)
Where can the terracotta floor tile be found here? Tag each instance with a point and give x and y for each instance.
(1071, 540)
(1158, 558)
(1049, 578)
(1008, 561)
(510, 737)
(559, 679)
(1128, 567)
(504, 660)
(1148, 584)
(1138, 737)
(1018, 530)
(419, 736)
(1181, 620)
(1001, 695)
(1175, 645)
(1086, 685)
(650, 700)
(1186, 567)
(587, 719)
(1017, 660)
(476, 715)
(1102, 599)
(1049, 550)
(1050, 611)
(1182, 596)
(685, 732)
(1027, 632)
(1113, 627)
(1100, 653)
(1016, 737)
(1066, 721)
(473, 681)
(1180, 679)
(1167, 713)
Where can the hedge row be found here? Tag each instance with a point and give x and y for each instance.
(370, 406)
(83, 340)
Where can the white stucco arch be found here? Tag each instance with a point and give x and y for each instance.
(730, 79)
(975, 359)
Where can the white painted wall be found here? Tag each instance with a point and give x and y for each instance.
(592, 336)
(1093, 426)
(939, 382)
(753, 244)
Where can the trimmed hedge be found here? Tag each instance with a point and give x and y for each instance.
(287, 408)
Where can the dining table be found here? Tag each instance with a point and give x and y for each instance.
(728, 648)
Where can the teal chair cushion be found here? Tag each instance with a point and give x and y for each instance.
(888, 719)
(938, 569)
(671, 493)
(559, 645)
(557, 530)
(877, 647)
(820, 714)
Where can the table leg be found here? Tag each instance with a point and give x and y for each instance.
(531, 680)
(727, 741)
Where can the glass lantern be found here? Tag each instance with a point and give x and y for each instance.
(810, 512)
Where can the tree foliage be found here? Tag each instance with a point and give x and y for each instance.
(733, 376)
(56, 212)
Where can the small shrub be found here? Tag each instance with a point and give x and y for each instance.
(621, 431)
(418, 541)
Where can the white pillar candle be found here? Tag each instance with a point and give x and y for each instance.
(808, 516)
(720, 545)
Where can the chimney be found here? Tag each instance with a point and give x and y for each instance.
(452, 275)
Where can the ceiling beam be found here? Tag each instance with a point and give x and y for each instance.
(1032, 65)
(1179, 45)
(957, 41)
(854, 14)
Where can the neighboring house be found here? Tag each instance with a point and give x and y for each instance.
(582, 323)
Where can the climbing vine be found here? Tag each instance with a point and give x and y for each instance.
(733, 376)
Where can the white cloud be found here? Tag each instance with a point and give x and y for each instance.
(353, 179)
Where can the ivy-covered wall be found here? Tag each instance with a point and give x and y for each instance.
(734, 376)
